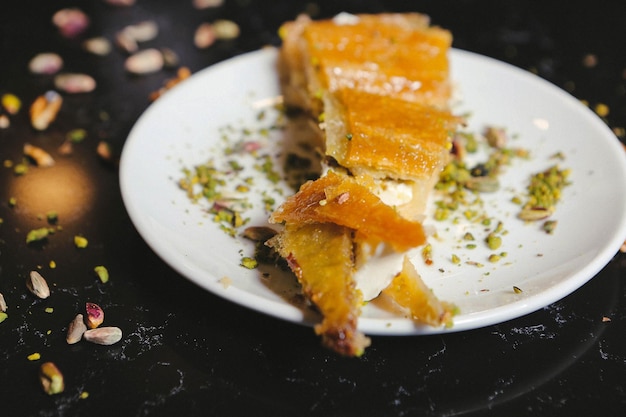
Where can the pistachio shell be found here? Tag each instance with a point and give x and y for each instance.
(259, 233)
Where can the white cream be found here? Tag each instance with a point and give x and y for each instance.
(393, 193)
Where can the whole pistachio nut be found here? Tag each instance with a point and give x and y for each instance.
(103, 335)
(95, 315)
(37, 285)
(75, 330)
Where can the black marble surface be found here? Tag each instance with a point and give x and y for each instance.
(186, 352)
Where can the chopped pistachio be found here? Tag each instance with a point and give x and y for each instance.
(80, 242)
(549, 226)
(493, 258)
(11, 103)
(52, 217)
(76, 135)
(34, 356)
(517, 290)
(20, 169)
(468, 236)
(51, 378)
(37, 235)
(248, 262)
(601, 109)
(102, 273)
(3, 316)
(493, 241)
(544, 192)
(427, 254)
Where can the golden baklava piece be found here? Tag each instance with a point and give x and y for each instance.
(378, 88)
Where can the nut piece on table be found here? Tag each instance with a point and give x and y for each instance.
(44, 109)
(37, 285)
(75, 330)
(95, 315)
(103, 335)
(51, 378)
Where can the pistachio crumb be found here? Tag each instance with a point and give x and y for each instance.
(51, 378)
(102, 272)
(248, 262)
(80, 242)
(37, 235)
(226, 282)
(493, 258)
(493, 241)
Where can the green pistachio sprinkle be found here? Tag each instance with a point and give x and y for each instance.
(36, 235)
(103, 273)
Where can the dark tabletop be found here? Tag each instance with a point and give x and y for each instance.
(186, 352)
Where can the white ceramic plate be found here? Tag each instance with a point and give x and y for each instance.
(183, 128)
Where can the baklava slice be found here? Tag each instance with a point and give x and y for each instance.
(378, 88)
